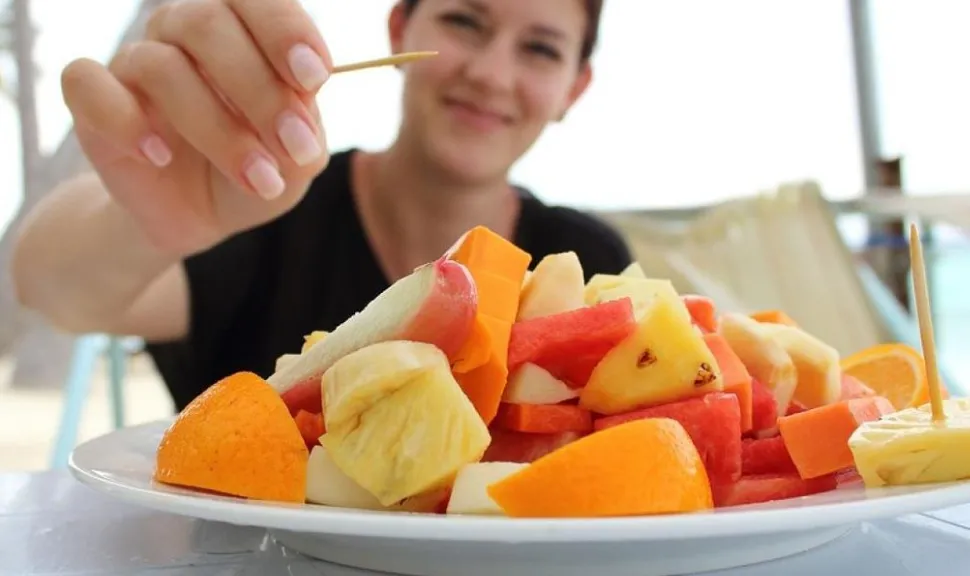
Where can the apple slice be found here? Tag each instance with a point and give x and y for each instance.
(766, 360)
(532, 384)
(469, 494)
(327, 484)
(312, 338)
(634, 270)
(555, 286)
(435, 304)
(286, 360)
(819, 376)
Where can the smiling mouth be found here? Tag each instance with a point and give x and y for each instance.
(479, 115)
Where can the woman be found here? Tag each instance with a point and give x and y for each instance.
(217, 226)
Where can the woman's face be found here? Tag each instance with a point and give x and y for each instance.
(505, 69)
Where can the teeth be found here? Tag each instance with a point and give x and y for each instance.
(766, 360)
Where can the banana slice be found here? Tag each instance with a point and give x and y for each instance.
(766, 360)
(907, 447)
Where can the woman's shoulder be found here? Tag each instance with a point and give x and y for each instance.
(549, 229)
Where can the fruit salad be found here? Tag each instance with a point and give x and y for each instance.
(475, 386)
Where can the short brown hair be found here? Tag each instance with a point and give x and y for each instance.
(594, 8)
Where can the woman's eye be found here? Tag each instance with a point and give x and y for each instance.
(461, 20)
(544, 50)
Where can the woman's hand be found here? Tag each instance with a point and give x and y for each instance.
(208, 126)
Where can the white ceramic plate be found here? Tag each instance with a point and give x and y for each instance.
(121, 463)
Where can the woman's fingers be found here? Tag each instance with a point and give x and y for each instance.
(99, 102)
(286, 34)
(170, 82)
(212, 35)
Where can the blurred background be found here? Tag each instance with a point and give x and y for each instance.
(696, 105)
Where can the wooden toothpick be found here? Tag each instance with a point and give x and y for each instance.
(924, 315)
(394, 60)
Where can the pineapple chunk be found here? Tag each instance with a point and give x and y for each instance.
(664, 360)
(312, 338)
(398, 424)
(641, 291)
(907, 447)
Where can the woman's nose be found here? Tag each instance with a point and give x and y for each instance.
(492, 65)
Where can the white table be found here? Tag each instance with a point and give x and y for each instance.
(51, 524)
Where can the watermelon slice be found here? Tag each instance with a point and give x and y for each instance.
(702, 312)
(764, 409)
(569, 345)
(795, 408)
(524, 447)
(766, 456)
(769, 487)
(854, 388)
(305, 396)
(712, 421)
(311, 427)
(848, 477)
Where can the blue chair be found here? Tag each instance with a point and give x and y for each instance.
(87, 350)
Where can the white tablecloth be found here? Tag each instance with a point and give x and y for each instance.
(51, 524)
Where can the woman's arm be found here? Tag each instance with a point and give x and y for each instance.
(84, 264)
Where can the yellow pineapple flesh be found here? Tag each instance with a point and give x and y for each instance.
(664, 360)
(908, 447)
(398, 423)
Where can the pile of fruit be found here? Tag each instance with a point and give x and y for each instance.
(473, 386)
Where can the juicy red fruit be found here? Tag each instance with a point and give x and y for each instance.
(702, 312)
(525, 447)
(712, 421)
(767, 488)
(764, 409)
(570, 345)
(766, 456)
(306, 395)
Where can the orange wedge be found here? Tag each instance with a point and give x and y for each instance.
(236, 438)
(894, 371)
(647, 466)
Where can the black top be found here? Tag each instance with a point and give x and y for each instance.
(256, 295)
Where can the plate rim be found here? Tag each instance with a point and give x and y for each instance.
(326, 520)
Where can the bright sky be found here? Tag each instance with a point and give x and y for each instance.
(693, 100)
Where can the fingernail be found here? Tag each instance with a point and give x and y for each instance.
(155, 149)
(265, 178)
(307, 67)
(298, 139)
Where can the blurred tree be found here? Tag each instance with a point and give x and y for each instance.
(42, 354)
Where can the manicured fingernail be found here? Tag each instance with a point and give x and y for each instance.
(155, 149)
(265, 178)
(307, 67)
(298, 139)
